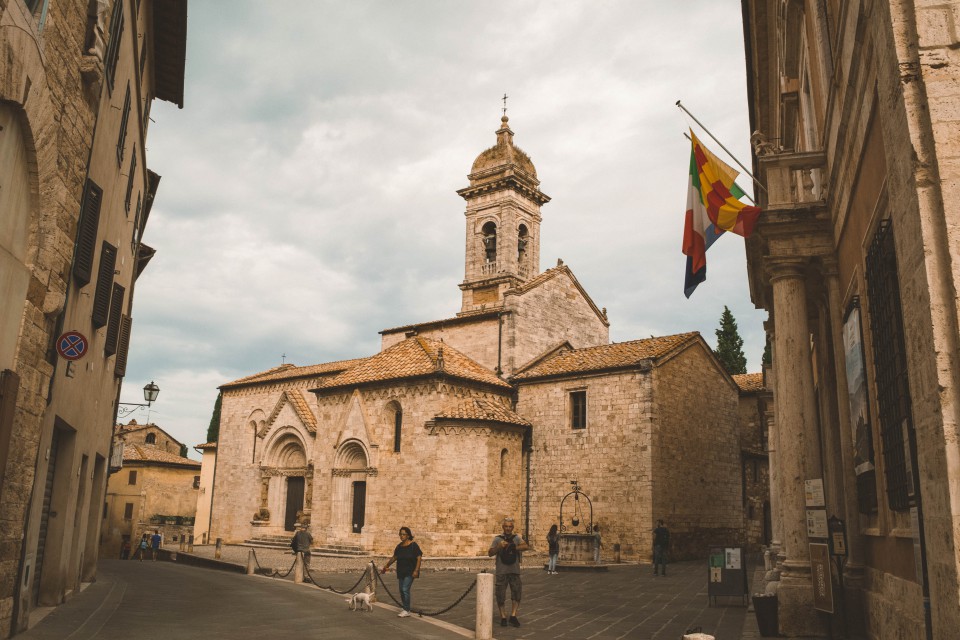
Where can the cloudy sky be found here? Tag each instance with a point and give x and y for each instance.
(309, 200)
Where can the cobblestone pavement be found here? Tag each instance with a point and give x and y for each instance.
(625, 602)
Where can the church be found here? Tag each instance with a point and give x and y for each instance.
(492, 412)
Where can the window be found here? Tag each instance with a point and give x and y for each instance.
(523, 238)
(87, 229)
(196, 482)
(578, 409)
(113, 47)
(151, 438)
(503, 460)
(128, 511)
(130, 178)
(104, 287)
(890, 367)
(132, 478)
(397, 428)
(124, 121)
(113, 322)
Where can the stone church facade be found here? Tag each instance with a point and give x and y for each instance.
(459, 422)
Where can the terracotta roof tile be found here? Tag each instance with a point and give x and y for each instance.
(287, 371)
(206, 445)
(749, 381)
(141, 453)
(300, 406)
(482, 409)
(607, 356)
(461, 318)
(414, 357)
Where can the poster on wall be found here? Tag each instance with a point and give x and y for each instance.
(857, 392)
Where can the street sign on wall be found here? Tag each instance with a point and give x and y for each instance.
(72, 345)
(821, 576)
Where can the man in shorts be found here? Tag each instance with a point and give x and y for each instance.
(507, 547)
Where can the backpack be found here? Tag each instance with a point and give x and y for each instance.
(509, 554)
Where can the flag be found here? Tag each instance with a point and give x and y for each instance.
(713, 207)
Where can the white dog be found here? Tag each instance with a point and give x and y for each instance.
(360, 600)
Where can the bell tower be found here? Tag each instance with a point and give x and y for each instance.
(503, 223)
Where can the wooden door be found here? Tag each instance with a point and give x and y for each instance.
(359, 505)
(294, 502)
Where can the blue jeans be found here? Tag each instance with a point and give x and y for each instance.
(659, 558)
(405, 583)
(552, 565)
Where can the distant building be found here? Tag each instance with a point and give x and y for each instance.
(201, 526)
(459, 422)
(755, 408)
(77, 78)
(155, 490)
(856, 109)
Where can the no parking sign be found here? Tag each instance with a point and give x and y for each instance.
(72, 345)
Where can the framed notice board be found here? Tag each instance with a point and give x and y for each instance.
(727, 573)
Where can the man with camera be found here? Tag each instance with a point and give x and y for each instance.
(507, 547)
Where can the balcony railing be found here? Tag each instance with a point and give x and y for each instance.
(490, 268)
(794, 178)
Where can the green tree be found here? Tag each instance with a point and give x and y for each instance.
(183, 451)
(730, 344)
(213, 431)
(767, 359)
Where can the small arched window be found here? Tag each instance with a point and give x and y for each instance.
(394, 414)
(151, 438)
(503, 461)
(523, 239)
(490, 241)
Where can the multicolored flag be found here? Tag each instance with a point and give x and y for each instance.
(713, 207)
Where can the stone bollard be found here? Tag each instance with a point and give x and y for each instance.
(190, 544)
(372, 581)
(298, 568)
(484, 606)
(251, 563)
(216, 553)
(183, 543)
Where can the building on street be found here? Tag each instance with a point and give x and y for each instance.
(857, 259)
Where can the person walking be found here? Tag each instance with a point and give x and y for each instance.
(507, 548)
(155, 540)
(301, 543)
(142, 547)
(553, 549)
(408, 556)
(661, 540)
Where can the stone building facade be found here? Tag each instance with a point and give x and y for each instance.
(155, 490)
(857, 258)
(459, 422)
(76, 82)
(754, 409)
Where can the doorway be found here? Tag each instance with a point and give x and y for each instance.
(359, 505)
(294, 501)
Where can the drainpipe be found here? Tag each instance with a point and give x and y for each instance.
(528, 446)
(499, 341)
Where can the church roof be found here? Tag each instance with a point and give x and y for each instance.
(465, 317)
(290, 371)
(143, 453)
(482, 409)
(504, 153)
(749, 381)
(619, 355)
(551, 273)
(412, 358)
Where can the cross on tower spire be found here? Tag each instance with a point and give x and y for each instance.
(505, 96)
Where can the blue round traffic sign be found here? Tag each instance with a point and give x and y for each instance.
(72, 345)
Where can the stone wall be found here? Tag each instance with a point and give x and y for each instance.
(755, 468)
(610, 458)
(696, 453)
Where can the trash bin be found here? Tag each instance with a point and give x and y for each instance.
(765, 606)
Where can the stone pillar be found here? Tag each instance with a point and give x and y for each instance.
(853, 572)
(484, 622)
(773, 446)
(798, 444)
(298, 567)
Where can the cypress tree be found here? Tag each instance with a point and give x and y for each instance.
(213, 431)
(730, 344)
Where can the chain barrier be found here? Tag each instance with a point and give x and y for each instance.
(421, 612)
(272, 572)
(306, 570)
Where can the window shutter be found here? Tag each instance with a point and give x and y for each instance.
(123, 343)
(87, 233)
(130, 177)
(101, 299)
(113, 47)
(113, 324)
(124, 121)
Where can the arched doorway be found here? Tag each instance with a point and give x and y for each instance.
(285, 482)
(350, 489)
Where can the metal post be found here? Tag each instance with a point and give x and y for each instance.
(216, 553)
(484, 622)
(251, 563)
(740, 164)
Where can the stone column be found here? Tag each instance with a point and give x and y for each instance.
(798, 444)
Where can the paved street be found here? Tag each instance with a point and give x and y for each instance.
(163, 599)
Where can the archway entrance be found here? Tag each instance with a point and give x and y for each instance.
(295, 486)
(350, 490)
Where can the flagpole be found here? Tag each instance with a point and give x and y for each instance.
(740, 164)
(745, 195)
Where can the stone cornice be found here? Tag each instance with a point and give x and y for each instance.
(511, 182)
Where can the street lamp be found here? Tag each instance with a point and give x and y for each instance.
(150, 393)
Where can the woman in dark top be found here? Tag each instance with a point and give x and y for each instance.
(407, 555)
(553, 545)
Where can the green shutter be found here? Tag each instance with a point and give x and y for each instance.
(87, 229)
(101, 298)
